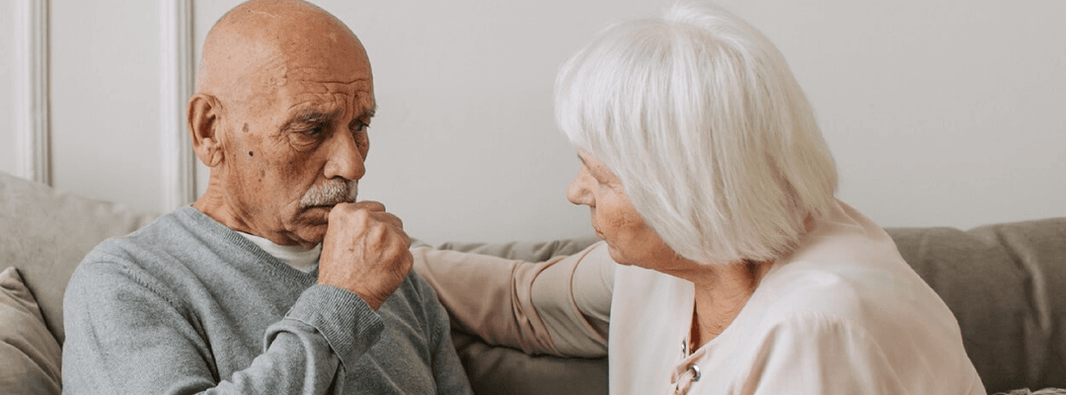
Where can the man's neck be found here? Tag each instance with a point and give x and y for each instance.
(302, 259)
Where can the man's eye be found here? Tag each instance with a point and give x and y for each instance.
(314, 131)
(359, 126)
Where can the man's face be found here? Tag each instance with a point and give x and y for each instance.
(297, 145)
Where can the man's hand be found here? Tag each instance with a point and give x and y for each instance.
(365, 251)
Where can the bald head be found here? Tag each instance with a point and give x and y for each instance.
(284, 98)
(260, 43)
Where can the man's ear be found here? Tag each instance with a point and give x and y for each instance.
(205, 124)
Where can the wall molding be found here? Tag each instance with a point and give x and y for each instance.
(179, 170)
(32, 110)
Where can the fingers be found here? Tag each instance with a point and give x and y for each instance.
(365, 251)
(369, 205)
(389, 219)
(375, 209)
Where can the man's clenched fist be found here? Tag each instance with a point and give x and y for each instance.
(365, 251)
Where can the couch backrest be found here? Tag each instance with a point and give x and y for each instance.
(45, 233)
(1006, 285)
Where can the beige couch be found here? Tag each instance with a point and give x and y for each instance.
(1006, 284)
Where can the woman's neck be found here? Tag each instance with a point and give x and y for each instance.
(721, 291)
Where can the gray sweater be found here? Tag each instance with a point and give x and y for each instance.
(187, 305)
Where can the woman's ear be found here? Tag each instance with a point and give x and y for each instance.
(205, 125)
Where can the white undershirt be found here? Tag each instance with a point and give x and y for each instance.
(297, 257)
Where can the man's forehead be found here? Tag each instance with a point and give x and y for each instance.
(314, 79)
(335, 85)
(263, 44)
(329, 100)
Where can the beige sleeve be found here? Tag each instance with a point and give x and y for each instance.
(559, 307)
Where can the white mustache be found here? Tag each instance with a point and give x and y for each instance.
(330, 193)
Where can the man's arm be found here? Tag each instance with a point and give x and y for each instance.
(126, 334)
(129, 333)
(559, 307)
(448, 372)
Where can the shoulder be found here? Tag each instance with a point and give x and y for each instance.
(146, 258)
(113, 288)
(413, 311)
(875, 323)
(162, 232)
(890, 306)
(849, 268)
(417, 288)
(414, 299)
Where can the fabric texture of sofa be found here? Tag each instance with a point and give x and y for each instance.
(1006, 284)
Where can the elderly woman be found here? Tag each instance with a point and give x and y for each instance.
(737, 272)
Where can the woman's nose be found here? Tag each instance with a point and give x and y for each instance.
(578, 192)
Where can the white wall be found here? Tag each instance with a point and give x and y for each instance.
(7, 88)
(105, 100)
(939, 112)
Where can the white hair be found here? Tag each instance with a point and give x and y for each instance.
(710, 134)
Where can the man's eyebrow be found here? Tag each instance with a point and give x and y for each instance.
(369, 113)
(310, 117)
(315, 116)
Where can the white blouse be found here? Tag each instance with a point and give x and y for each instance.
(844, 314)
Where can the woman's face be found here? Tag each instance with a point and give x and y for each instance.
(615, 219)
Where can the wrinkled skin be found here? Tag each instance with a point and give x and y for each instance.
(284, 101)
(614, 218)
(721, 290)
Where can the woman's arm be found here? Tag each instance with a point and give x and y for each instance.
(559, 307)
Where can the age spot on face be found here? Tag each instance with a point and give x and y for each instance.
(245, 128)
(250, 153)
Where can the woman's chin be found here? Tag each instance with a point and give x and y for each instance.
(616, 254)
(638, 256)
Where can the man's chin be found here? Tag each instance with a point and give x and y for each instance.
(311, 225)
(310, 236)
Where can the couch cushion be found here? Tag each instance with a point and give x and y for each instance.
(47, 232)
(506, 371)
(31, 356)
(1006, 285)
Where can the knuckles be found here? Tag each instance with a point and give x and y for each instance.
(349, 214)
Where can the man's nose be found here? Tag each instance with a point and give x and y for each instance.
(345, 159)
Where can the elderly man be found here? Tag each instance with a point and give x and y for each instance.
(275, 280)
